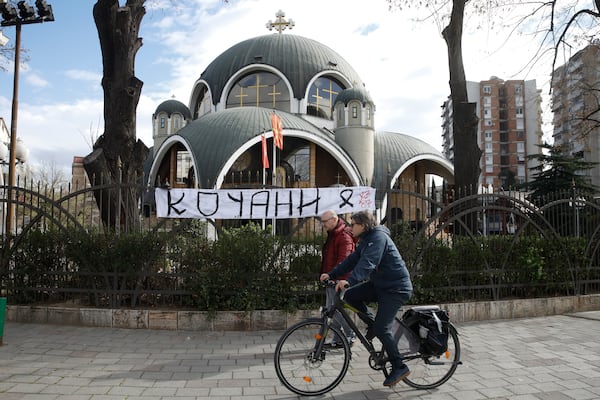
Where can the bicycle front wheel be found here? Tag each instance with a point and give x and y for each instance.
(306, 362)
(428, 372)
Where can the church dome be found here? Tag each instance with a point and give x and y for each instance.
(300, 59)
(395, 151)
(173, 106)
(354, 93)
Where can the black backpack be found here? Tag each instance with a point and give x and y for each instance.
(430, 324)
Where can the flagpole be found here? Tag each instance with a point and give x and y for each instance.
(274, 178)
(264, 175)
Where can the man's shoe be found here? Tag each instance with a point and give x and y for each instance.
(396, 376)
(334, 344)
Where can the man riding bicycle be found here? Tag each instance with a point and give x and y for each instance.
(388, 284)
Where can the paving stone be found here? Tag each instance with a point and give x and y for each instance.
(546, 358)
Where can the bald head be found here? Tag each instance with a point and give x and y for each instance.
(329, 219)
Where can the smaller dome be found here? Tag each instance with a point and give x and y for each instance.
(355, 93)
(174, 106)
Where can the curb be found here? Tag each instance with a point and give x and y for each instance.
(280, 320)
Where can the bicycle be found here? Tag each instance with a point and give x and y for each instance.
(307, 364)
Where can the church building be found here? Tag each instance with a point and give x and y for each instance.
(325, 113)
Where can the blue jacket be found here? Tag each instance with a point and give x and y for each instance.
(376, 258)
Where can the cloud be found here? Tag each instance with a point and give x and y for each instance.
(403, 63)
(82, 75)
(365, 30)
(35, 80)
(57, 132)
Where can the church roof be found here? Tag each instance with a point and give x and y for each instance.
(300, 59)
(174, 106)
(393, 151)
(215, 137)
(354, 93)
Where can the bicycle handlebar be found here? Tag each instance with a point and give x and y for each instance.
(332, 283)
(328, 283)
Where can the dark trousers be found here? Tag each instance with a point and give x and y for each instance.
(388, 304)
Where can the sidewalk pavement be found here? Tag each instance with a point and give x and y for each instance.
(550, 358)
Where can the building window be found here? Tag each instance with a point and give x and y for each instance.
(162, 121)
(300, 162)
(487, 89)
(520, 147)
(322, 95)
(489, 168)
(368, 113)
(519, 101)
(260, 89)
(487, 101)
(519, 112)
(354, 112)
(204, 104)
(520, 134)
(488, 135)
(489, 159)
(176, 119)
(518, 89)
(488, 147)
(487, 112)
(488, 122)
(184, 164)
(520, 123)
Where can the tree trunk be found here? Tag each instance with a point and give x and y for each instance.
(118, 157)
(464, 117)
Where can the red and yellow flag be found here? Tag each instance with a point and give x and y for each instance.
(277, 130)
(265, 155)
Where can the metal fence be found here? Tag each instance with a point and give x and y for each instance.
(493, 245)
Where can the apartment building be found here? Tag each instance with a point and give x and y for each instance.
(575, 103)
(510, 128)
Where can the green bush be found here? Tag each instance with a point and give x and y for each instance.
(248, 268)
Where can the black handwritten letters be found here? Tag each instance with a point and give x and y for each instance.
(261, 203)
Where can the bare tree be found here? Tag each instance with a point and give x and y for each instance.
(48, 174)
(118, 156)
(464, 116)
(559, 23)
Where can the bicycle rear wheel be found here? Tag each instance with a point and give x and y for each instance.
(428, 372)
(304, 370)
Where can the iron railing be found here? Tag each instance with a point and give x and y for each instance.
(506, 242)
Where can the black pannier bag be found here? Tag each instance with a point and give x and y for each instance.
(430, 324)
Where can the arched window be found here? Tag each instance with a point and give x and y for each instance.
(176, 119)
(203, 104)
(260, 89)
(322, 95)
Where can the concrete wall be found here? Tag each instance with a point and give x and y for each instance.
(279, 320)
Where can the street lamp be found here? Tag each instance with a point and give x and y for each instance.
(21, 153)
(3, 39)
(10, 17)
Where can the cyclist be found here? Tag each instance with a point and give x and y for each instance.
(377, 259)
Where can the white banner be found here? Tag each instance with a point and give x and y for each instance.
(261, 203)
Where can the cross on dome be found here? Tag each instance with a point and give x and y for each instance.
(280, 23)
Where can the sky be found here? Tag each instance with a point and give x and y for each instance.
(402, 61)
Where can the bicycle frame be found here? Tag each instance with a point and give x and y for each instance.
(340, 306)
